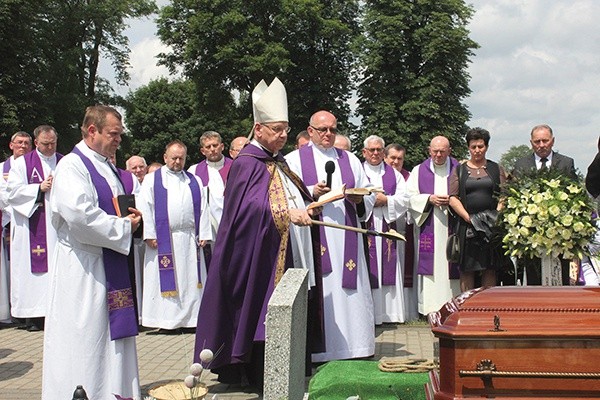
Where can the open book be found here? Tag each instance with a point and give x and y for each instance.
(339, 193)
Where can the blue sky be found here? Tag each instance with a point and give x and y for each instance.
(539, 62)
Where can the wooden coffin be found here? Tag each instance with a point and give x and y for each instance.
(518, 342)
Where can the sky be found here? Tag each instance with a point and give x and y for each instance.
(538, 63)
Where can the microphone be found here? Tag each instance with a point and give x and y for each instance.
(330, 169)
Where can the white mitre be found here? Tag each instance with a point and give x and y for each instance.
(269, 103)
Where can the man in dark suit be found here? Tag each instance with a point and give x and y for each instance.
(592, 179)
(542, 140)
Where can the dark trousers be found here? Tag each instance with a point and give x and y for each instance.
(533, 267)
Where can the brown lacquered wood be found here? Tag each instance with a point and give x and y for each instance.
(544, 343)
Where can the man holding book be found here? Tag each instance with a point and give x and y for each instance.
(91, 325)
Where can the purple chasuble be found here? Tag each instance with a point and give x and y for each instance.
(309, 176)
(38, 246)
(426, 237)
(388, 251)
(166, 261)
(122, 318)
(202, 170)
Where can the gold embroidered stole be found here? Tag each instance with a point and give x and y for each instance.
(281, 216)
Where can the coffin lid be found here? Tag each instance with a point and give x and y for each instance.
(521, 311)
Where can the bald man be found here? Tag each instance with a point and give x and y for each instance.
(427, 187)
(237, 145)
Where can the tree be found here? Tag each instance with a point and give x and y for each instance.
(414, 56)
(510, 157)
(50, 62)
(160, 112)
(227, 47)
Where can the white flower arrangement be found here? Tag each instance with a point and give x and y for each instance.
(546, 214)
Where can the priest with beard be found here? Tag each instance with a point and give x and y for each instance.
(264, 231)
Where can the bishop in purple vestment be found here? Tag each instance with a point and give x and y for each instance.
(254, 247)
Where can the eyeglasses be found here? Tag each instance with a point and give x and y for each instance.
(325, 129)
(279, 129)
(375, 150)
(21, 142)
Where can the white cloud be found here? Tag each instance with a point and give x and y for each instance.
(144, 61)
(538, 63)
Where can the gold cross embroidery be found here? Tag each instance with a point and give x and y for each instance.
(165, 261)
(350, 265)
(120, 299)
(38, 251)
(323, 250)
(389, 249)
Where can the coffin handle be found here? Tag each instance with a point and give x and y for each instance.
(486, 369)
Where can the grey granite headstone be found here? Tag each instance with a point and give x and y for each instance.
(285, 340)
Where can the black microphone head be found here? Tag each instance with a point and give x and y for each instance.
(330, 167)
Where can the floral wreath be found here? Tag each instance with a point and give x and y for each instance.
(546, 213)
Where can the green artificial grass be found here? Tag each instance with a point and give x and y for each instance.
(342, 379)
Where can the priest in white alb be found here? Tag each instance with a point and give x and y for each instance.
(348, 304)
(91, 325)
(176, 227)
(437, 280)
(32, 235)
(386, 256)
(213, 172)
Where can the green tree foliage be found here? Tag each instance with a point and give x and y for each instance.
(415, 55)
(510, 157)
(50, 56)
(229, 46)
(160, 112)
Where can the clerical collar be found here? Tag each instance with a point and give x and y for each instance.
(43, 157)
(260, 146)
(94, 153)
(330, 151)
(217, 164)
(375, 168)
(169, 171)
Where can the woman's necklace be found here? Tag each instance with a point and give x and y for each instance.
(478, 168)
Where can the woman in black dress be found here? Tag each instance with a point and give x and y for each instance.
(474, 190)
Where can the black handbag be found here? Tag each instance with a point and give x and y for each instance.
(453, 248)
(453, 242)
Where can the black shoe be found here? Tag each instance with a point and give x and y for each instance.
(33, 328)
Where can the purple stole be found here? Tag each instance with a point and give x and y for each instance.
(126, 180)
(426, 237)
(6, 229)
(309, 176)
(202, 173)
(38, 246)
(202, 170)
(166, 261)
(6, 168)
(123, 321)
(388, 252)
(409, 247)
